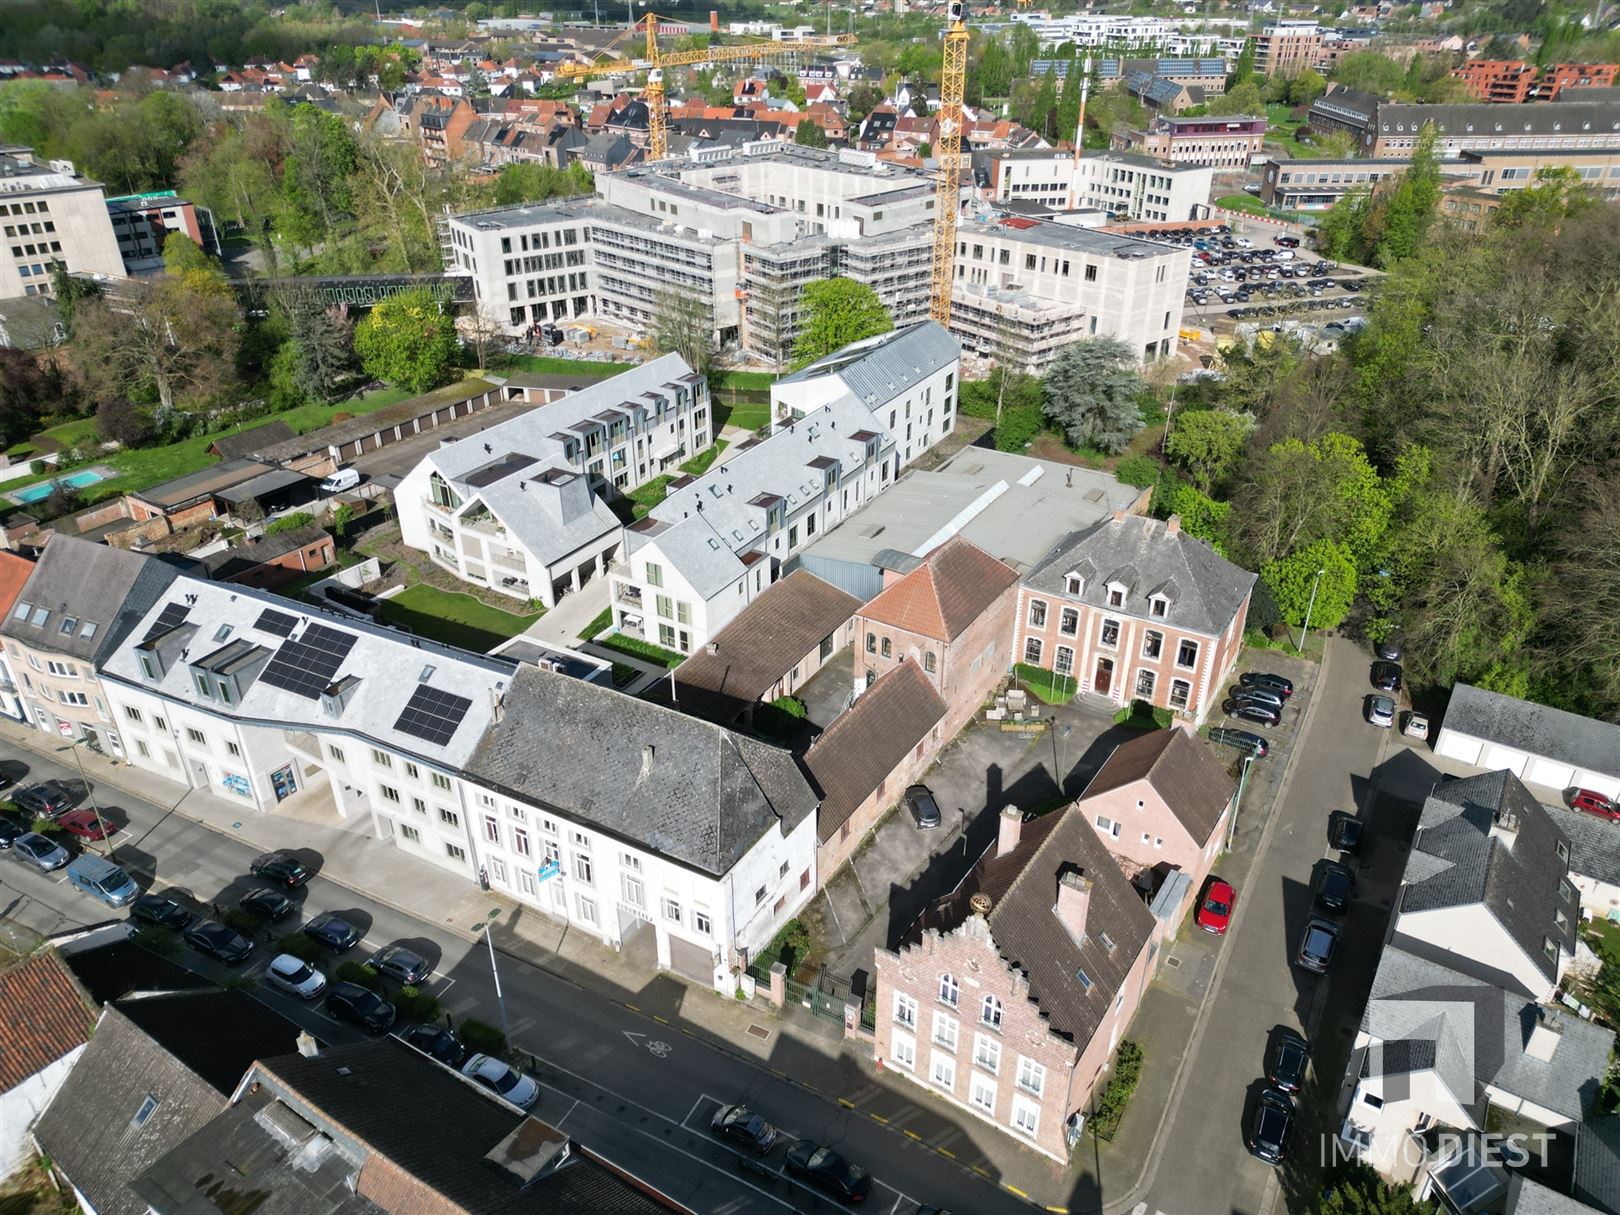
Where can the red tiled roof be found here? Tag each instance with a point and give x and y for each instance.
(946, 593)
(47, 1015)
(14, 571)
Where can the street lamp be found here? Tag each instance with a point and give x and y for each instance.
(101, 827)
(1243, 780)
(500, 1000)
(1309, 608)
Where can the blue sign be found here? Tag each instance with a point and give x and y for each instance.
(549, 870)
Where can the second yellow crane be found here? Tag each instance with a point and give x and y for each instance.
(948, 152)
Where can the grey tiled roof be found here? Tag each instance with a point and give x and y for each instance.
(707, 561)
(703, 795)
(1205, 590)
(1594, 844)
(880, 368)
(92, 583)
(1537, 729)
(1597, 1163)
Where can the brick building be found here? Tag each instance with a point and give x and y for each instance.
(1010, 995)
(273, 559)
(1513, 81)
(952, 615)
(1136, 609)
(1286, 48)
(1223, 142)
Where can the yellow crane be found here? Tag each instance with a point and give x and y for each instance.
(654, 61)
(948, 151)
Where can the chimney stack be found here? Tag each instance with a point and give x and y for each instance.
(1073, 900)
(1172, 525)
(1505, 827)
(1012, 827)
(714, 21)
(1119, 516)
(714, 648)
(1544, 1035)
(646, 761)
(307, 1046)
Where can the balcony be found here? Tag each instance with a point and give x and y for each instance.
(627, 596)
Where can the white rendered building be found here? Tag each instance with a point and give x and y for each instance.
(48, 213)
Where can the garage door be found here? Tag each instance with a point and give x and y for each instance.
(1504, 757)
(694, 961)
(1457, 746)
(1549, 772)
(1601, 782)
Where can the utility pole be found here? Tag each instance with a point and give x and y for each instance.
(101, 827)
(1243, 780)
(1309, 608)
(495, 970)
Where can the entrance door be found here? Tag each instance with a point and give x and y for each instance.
(1103, 682)
(199, 774)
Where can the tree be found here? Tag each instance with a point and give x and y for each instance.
(1299, 493)
(862, 100)
(1556, 194)
(315, 183)
(1291, 580)
(526, 182)
(28, 393)
(70, 291)
(809, 134)
(683, 324)
(835, 312)
(1306, 87)
(1369, 71)
(1242, 99)
(1243, 69)
(322, 341)
(182, 255)
(1333, 145)
(1412, 203)
(1208, 443)
(118, 420)
(1091, 394)
(1354, 1188)
(166, 336)
(408, 340)
(1200, 515)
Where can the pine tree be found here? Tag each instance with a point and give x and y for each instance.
(322, 339)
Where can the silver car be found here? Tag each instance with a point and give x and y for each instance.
(295, 976)
(505, 1082)
(40, 850)
(1381, 711)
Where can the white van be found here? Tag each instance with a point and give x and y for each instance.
(343, 479)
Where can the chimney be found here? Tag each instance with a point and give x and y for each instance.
(1544, 1035)
(714, 646)
(714, 21)
(1505, 827)
(1172, 525)
(1012, 826)
(646, 761)
(1073, 899)
(1119, 516)
(307, 1046)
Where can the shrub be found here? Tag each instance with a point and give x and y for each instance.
(244, 922)
(791, 705)
(358, 972)
(414, 1004)
(1140, 471)
(1019, 428)
(160, 941)
(305, 949)
(46, 826)
(1110, 1106)
(287, 523)
(478, 1036)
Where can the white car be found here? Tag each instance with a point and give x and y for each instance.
(1380, 711)
(296, 977)
(1244, 242)
(505, 1082)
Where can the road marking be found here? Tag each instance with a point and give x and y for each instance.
(912, 1135)
(702, 1097)
(846, 1103)
(878, 1118)
(946, 1152)
(1015, 1190)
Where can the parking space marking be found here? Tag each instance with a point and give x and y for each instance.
(702, 1097)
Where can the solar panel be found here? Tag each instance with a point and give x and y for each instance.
(279, 623)
(305, 667)
(171, 615)
(433, 715)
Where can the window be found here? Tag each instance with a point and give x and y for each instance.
(582, 868)
(905, 1009)
(1116, 596)
(1069, 622)
(871, 643)
(232, 749)
(982, 1094)
(1144, 684)
(1107, 826)
(148, 1108)
(1032, 651)
(455, 852)
(942, 1071)
(1374, 1100)
(986, 1053)
(1031, 1075)
(1037, 613)
(1110, 633)
(701, 923)
(672, 910)
(418, 805)
(1180, 693)
(1550, 948)
(887, 649)
(497, 869)
(1063, 660)
(949, 989)
(1026, 1116)
(492, 829)
(381, 758)
(1073, 584)
(410, 833)
(630, 861)
(990, 1014)
(586, 908)
(1152, 644)
(448, 817)
(759, 896)
(412, 771)
(196, 736)
(655, 574)
(1187, 654)
(903, 1050)
(520, 841)
(945, 1030)
(441, 781)
(1158, 606)
(632, 891)
(335, 752)
(131, 712)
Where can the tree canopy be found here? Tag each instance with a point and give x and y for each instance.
(1091, 394)
(836, 312)
(408, 340)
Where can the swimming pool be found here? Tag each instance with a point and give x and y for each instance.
(78, 480)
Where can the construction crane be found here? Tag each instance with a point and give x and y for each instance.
(654, 61)
(948, 151)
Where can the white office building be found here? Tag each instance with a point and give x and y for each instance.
(48, 213)
(1119, 185)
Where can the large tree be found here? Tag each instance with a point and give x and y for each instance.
(683, 324)
(1091, 394)
(322, 340)
(175, 336)
(1208, 443)
(1319, 580)
(408, 340)
(834, 313)
(1298, 493)
(28, 393)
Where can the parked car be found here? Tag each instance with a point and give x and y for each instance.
(1381, 711)
(1335, 884)
(1391, 648)
(924, 809)
(1258, 696)
(1316, 944)
(41, 851)
(741, 1127)
(101, 879)
(295, 976)
(1414, 725)
(282, 867)
(437, 1041)
(159, 912)
(48, 799)
(1285, 1066)
(505, 1081)
(219, 942)
(1344, 832)
(332, 931)
(360, 1007)
(1270, 1125)
(1241, 740)
(1590, 801)
(1247, 710)
(1271, 683)
(86, 825)
(269, 905)
(1386, 676)
(1215, 908)
(400, 964)
(10, 829)
(828, 1171)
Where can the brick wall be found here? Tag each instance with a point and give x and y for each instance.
(832, 853)
(1139, 810)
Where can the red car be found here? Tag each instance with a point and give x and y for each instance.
(1591, 802)
(1215, 910)
(83, 825)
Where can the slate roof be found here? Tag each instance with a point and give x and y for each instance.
(703, 798)
(246, 555)
(1204, 589)
(880, 368)
(1597, 1162)
(250, 442)
(1594, 844)
(1022, 887)
(1182, 770)
(953, 587)
(1536, 729)
(1465, 865)
(764, 642)
(867, 742)
(98, 586)
(47, 1015)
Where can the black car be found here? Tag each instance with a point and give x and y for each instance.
(1334, 886)
(401, 964)
(219, 942)
(49, 799)
(282, 867)
(437, 1041)
(159, 912)
(1285, 1068)
(269, 905)
(924, 809)
(1247, 710)
(1242, 740)
(1344, 832)
(1390, 649)
(355, 1004)
(10, 829)
(827, 1170)
(332, 931)
(1268, 1129)
(741, 1127)
(1271, 683)
(1386, 676)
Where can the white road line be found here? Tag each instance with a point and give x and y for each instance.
(895, 1207)
(702, 1097)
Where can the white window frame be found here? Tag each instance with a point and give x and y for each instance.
(903, 1050)
(982, 1093)
(987, 1053)
(1025, 1117)
(941, 1065)
(946, 1031)
(905, 1009)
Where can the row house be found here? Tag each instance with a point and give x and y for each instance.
(1010, 995)
(1134, 608)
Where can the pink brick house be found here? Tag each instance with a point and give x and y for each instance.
(1135, 609)
(1161, 803)
(952, 615)
(1010, 995)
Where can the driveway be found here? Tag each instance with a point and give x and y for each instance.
(397, 459)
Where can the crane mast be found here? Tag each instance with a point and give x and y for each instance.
(948, 152)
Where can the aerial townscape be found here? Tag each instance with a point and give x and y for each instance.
(934, 605)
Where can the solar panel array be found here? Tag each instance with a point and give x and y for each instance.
(305, 667)
(279, 623)
(171, 615)
(433, 715)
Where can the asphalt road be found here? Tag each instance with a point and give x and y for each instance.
(608, 1073)
(1205, 1165)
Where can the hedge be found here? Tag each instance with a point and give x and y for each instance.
(485, 1039)
(1110, 1106)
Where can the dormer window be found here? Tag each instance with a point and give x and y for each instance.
(151, 664)
(1158, 607)
(1074, 584)
(1116, 595)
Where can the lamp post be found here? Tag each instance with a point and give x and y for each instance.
(1309, 608)
(1243, 780)
(494, 969)
(101, 827)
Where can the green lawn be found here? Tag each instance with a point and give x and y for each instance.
(644, 650)
(742, 381)
(750, 415)
(699, 464)
(1243, 202)
(546, 364)
(454, 619)
(648, 496)
(1043, 685)
(598, 622)
(1604, 937)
